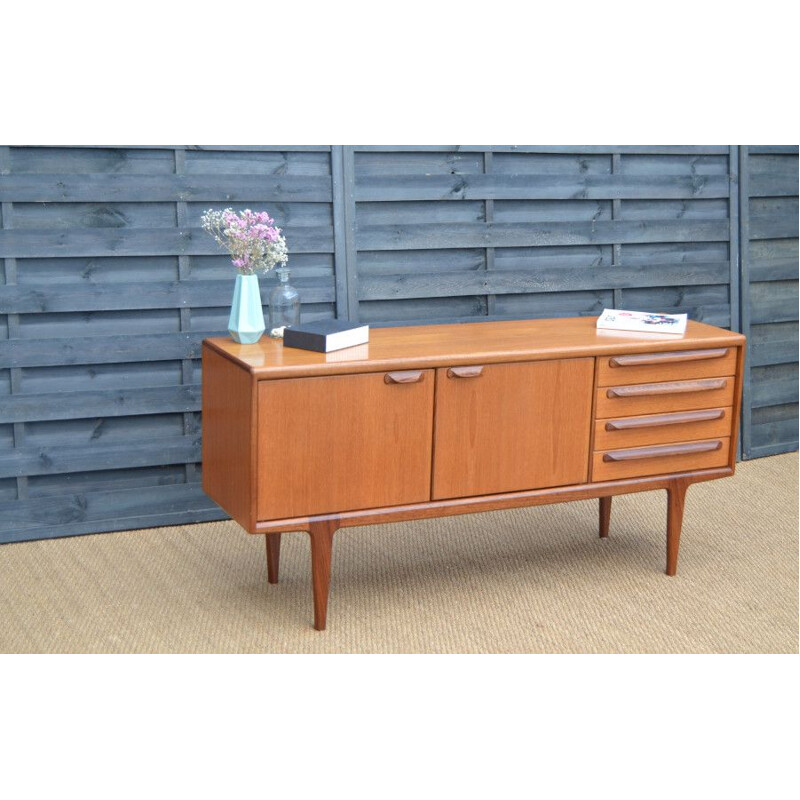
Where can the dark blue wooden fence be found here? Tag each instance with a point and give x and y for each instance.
(109, 285)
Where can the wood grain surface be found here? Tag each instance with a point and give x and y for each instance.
(428, 346)
(661, 398)
(512, 427)
(717, 456)
(630, 369)
(228, 436)
(342, 443)
(680, 426)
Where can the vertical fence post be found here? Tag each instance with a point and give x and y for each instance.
(744, 291)
(733, 255)
(344, 212)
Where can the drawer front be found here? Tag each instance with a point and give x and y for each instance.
(679, 365)
(660, 459)
(655, 398)
(678, 426)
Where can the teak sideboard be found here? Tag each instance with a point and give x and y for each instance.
(449, 419)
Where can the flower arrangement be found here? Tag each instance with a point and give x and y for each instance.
(251, 237)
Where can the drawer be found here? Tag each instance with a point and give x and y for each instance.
(678, 426)
(656, 398)
(660, 459)
(678, 365)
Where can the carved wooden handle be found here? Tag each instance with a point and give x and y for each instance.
(662, 451)
(409, 376)
(675, 387)
(664, 419)
(666, 358)
(464, 372)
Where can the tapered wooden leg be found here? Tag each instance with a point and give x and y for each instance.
(605, 516)
(273, 556)
(676, 496)
(321, 549)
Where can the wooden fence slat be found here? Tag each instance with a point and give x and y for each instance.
(103, 349)
(783, 351)
(540, 148)
(81, 507)
(107, 403)
(779, 149)
(434, 236)
(28, 299)
(538, 187)
(773, 184)
(106, 188)
(773, 269)
(771, 227)
(774, 392)
(388, 287)
(82, 458)
(140, 242)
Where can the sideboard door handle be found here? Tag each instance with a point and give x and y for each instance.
(662, 451)
(408, 376)
(464, 372)
(675, 387)
(666, 358)
(628, 423)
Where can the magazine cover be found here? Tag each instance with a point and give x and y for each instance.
(616, 319)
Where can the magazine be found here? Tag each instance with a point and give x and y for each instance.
(642, 321)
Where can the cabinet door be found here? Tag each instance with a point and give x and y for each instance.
(343, 443)
(512, 427)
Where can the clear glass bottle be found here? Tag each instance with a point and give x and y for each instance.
(284, 304)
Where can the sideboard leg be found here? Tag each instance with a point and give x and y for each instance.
(321, 550)
(273, 556)
(605, 516)
(676, 496)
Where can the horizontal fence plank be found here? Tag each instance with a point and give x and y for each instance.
(103, 349)
(140, 242)
(188, 516)
(774, 392)
(103, 188)
(773, 184)
(144, 295)
(388, 287)
(487, 234)
(525, 187)
(773, 302)
(259, 148)
(772, 351)
(83, 458)
(113, 507)
(298, 148)
(667, 149)
(773, 227)
(773, 269)
(773, 449)
(779, 149)
(108, 403)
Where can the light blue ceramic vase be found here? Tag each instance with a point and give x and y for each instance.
(247, 317)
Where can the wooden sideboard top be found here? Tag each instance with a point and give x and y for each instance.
(428, 346)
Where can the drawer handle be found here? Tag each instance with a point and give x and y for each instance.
(662, 451)
(464, 372)
(666, 358)
(409, 376)
(675, 387)
(664, 419)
